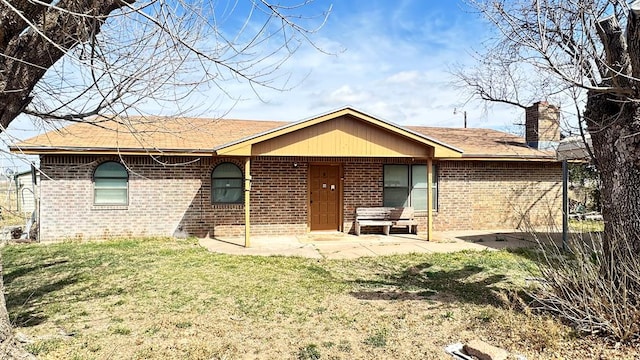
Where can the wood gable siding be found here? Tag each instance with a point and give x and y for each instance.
(342, 136)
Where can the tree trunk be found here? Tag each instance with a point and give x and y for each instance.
(28, 54)
(613, 120)
(9, 347)
(614, 125)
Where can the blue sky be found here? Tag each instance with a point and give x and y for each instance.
(390, 59)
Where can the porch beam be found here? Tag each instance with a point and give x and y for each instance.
(429, 198)
(247, 202)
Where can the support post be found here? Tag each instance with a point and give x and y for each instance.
(565, 203)
(247, 202)
(429, 198)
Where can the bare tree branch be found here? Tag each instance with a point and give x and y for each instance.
(71, 58)
(99, 61)
(588, 52)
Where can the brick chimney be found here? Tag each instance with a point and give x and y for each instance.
(542, 126)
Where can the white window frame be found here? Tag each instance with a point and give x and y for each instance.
(98, 188)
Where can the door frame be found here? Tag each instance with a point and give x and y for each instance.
(340, 193)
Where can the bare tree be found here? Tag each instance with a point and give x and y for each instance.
(75, 59)
(589, 52)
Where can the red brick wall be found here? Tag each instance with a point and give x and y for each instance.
(498, 195)
(278, 196)
(174, 194)
(162, 199)
(166, 196)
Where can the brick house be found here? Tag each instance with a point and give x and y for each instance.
(205, 177)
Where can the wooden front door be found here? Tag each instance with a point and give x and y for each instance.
(324, 197)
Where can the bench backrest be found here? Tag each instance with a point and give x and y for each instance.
(375, 213)
(384, 213)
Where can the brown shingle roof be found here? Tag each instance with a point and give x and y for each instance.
(483, 143)
(201, 136)
(180, 135)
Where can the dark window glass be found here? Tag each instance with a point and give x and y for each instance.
(226, 184)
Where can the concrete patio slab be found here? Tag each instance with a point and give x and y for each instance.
(335, 245)
(262, 246)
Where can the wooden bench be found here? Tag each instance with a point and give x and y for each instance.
(386, 217)
(404, 217)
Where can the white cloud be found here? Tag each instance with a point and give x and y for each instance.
(405, 77)
(347, 95)
(397, 70)
(388, 59)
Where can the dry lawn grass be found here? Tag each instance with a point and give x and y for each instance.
(168, 299)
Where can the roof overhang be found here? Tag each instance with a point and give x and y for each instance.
(43, 150)
(518, 158)
(246, 146)
(574, 148)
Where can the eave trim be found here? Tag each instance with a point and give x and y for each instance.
(37, 150)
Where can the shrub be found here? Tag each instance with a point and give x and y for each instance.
(596, 293)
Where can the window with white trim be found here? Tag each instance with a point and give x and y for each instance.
(406, 185)
(226, 184)
(110, 184)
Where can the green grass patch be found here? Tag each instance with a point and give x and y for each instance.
(586, 225)
(378, 339)
(171, 299)
(309, 352)
(43, 347)
(121, 330)
(469, 276)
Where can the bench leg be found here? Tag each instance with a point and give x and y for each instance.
(386, 229)
(357, 229)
